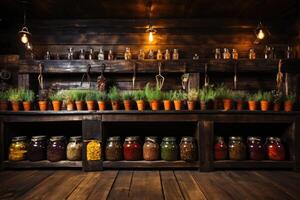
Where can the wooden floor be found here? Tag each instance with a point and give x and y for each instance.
(72, 184)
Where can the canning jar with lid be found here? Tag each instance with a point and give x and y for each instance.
(37, 148)
(113, 150)
(74, 148)
(255, 148)
(237, 148)
(151, 149)
(56, 150)
(275, 149)
(220, 149)
(18, 148)
(169, 149)
(188, 149)
(132, 148)
(93, 149)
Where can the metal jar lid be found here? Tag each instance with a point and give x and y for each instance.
(277, 139)
(151, 139)
(169, 139)
(131, 138)
(19, 138)
(38, 138)
(187, 139)
(253, 138)
(237, 138)
(57, 138)
(114, 139)
(75, 138)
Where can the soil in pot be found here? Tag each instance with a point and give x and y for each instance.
(252, 105)
(167, 104)
(154, 105)
(127, 104)
(26, 105)
(177, 104)
(288, 106)
(15, 106)
(101, 105)
(43, 105)
(3, 105)
(191, 105)
(140, 105)
(227, 104)
(56, 105)
(90, 105)
(264, 105)
(115, 105)
(276, 107)
(79, 105)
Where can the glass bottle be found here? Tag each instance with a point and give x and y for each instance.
(74, 148)
(175, 55)
(110, 55)
(255, 148)
(18, 148)
(81, 54)
(47, 56)
(267, 52)
(169, 149)
(252, 54)
(237, 148)
(188, 149)
(196, 57)
(56, 149)
(289, 52)
(132, 149)
(91, 54)
(151, 149)
(159, 55)
(235, 54)
(218, 53)
(70, 54)
(141, 55)
(226, 54)
(113, 150)
(151, 54)
(37, 148)
(127, 55)
(167, 55)
(100, 54)
(275, 149)
(220, 149)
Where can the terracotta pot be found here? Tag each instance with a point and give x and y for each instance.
(140, 105)
(191, 105)
(79, 105)
(70, 106)
(177, 104)
(90, 105)
(252, 105)
(288, 106)
(115, 105)
(26, 105)
(240, 105)
(276, 106)
(101, 105)
(227, 104)
(15, 106)
(127, 104)
(154, 105)
(218, 104)
(167, 104)
(264, 105)
(56, 105)
(3, 105)
(43, 105)
(203, 105)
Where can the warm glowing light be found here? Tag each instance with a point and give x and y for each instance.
(28, 46)
(151, 36)
(260, 34)
(24, 38)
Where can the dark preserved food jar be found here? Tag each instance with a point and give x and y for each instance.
(255, 148)
(37, 148)
(113, 150)
(132, 148)
(237, 148)
(74, 148)
(220, 149)
(151, 149)
(56, 149)
(275, 149)
(169, 149)
(18, 148)
(188, 149)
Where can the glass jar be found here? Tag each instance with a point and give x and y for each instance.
(18, 148)
(56, 149)
(100, 54)
(74, 148)
(110, 55)
(132, 148)
(167, 55)
(151, 54)
(267, 52)
(70, 54)
(252, 54)
(113, 150)
(175, 55)
(91, 52)
(47, 56)
(127, 54)
(151, 149)
(93, 150)
(290, 52)
(275, 149)
(235, 54)
(237, 148)
(37, 148)
(220, 149)
(226, 54)
(169, 149)
(159, 55)
(141, 55)
(188, 149)
(255, 148)
(218, 53)
(81, 54)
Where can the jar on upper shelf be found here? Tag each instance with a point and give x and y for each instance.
(132, 148)
(141, 55)
(56, 149)
(252, 54)
(235, 54)
(220, 149)
(175, 55)
(275, 149)
(81, 54)
(188, 149)
(226, 54)
(237, 148)
(218, 53)
(151, 54)
(167, 55)
(113, 150)
(151, 149)
(255, 148)
(169, 149)
(159, 55)
(127, 54)
(37, 148)
(18, 148)
(74, 148)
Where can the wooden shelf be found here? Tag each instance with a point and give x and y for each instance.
(149, 164)
(42, 164)
(251, 164)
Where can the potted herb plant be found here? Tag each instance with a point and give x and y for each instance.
(167, 98)
(127, 97)
(192, 97)
(114, 97)
(56, 99)
(101, 100)
(14, 96)
(266, 99)
(239, 98)
(27, 98)
(91, 97)
(153, 96)
(277, 101)
(4, 100)
(140, 97)
(289, 102)
(252, 100)
(220, 92)
(79, 97)
(227, 99)
(178, 97)
(68, 96)
(206, 94)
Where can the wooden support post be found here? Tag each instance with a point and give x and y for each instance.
(1, 144)
(206, 129)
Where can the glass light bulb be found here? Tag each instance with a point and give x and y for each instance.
(150, 36)
(24, 38)
(260, 34)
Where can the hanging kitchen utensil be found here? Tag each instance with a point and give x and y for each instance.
(134, 76)
(40, 76)
(87, 76)
(185, 79)
(159, 78)
(235, 76)
(279, 77)
(206, 78)
(101, 80)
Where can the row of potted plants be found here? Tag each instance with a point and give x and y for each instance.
(218, 98)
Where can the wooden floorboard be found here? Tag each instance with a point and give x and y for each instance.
(152, 185)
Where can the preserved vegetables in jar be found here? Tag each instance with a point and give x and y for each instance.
(37, 148)
(151, 149)
(18, 148)
(220, 149)
(93, 150)
(255, 148)
(113, 150)
(188, 149)
(237, 148)
(74, 148)
(169, 149)
(56, 150)
(275, 149)
(132, 148)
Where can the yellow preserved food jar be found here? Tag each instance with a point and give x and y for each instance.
(93, 150)
(18, 148)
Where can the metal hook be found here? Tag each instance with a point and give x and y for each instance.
(40, 76)
(134, 76)
(206, 78)
(159, 68)
(235, 76)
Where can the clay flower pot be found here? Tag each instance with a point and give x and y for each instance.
(177, 104)
(43, 105)
(15, 106)
(167, 104)
(101, 105)
(70, 106)
(127, 104)
(252, 105)
(3, 105)
(227, 104)
(115, 105)
(218, 104)
(191, 105)
(140, 105)
(90, 105)
(79, 105)
(26, 105)
(154, 105)
(264, 105)
(56, 105)
(203, 105)
(276, 106)
(239, 105)
(288, 106)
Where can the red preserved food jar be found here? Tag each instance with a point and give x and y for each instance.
(132, 149)
(255, 148)
(275, 149)
(220, 149)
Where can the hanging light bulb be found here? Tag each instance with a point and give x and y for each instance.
(24, 38)
(151, 32)
(261, 32)
(24, 32)
(150, 36)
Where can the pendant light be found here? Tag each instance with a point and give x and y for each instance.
(150, 30)
(261, 32)
(24, 32)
